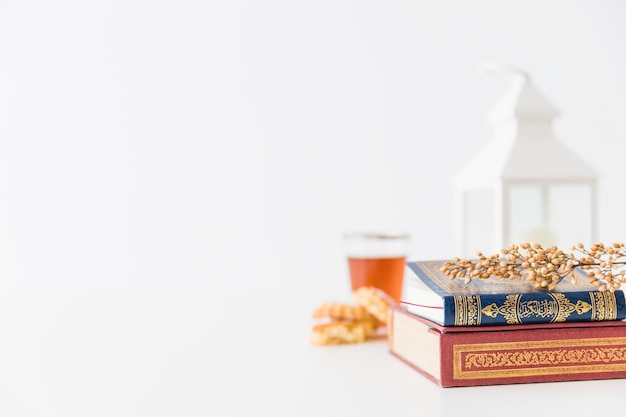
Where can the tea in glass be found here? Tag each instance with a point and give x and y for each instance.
(377, 259)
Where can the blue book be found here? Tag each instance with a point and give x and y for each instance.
(431, 294)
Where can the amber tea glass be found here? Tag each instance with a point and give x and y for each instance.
(378, 260)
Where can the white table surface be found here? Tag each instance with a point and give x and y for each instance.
(211, 353)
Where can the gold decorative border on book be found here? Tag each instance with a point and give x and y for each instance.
(604, 305)
(569, 356)
(467, 310)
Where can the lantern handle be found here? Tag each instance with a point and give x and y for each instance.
(495, 68)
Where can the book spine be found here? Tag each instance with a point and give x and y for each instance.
(533, 308)
(523, 356)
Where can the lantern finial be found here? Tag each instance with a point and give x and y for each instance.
(522, 103)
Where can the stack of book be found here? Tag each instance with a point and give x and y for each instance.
(499, 331)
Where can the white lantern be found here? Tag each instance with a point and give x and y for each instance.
(525, 185)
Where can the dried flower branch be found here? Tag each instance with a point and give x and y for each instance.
(546, 267)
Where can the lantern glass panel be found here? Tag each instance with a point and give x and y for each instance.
(550, 214)
(479, 222)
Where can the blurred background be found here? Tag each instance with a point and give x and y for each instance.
(228, 145)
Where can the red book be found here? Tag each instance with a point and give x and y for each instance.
(508, 354)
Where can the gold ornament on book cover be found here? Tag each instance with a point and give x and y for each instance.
(493, 360)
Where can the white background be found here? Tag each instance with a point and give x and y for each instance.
(229, 144)
(169, 169)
